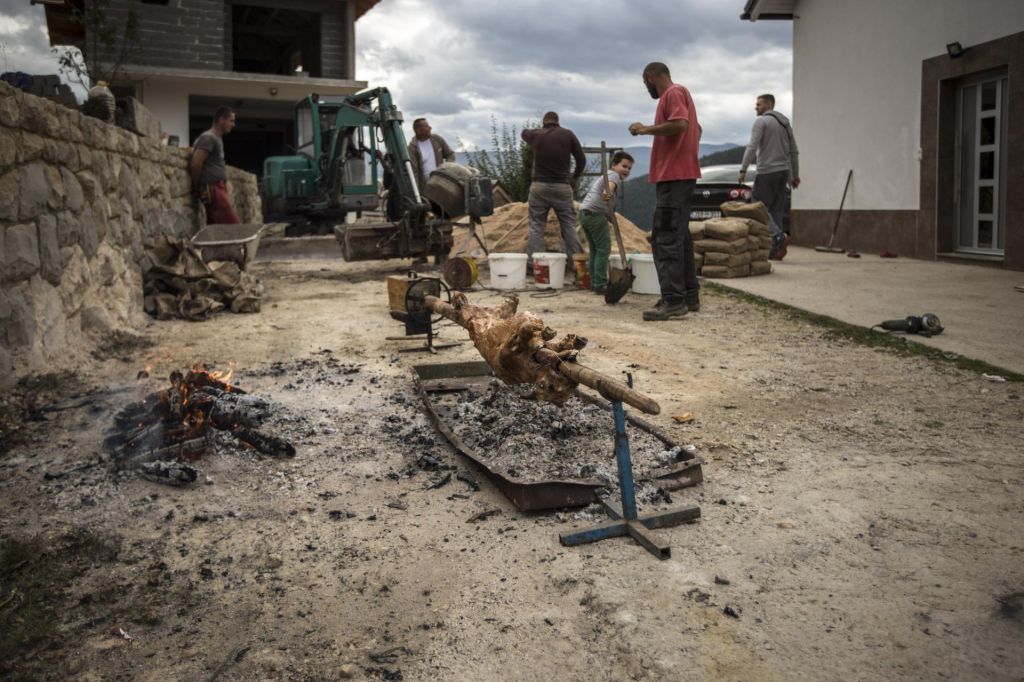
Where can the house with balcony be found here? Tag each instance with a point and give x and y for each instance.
(924, 101)
(258, 57)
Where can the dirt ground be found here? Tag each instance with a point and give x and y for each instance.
(862, 514)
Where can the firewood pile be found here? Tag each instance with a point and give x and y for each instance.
(735, 245)
(180, 284)
(159, 435)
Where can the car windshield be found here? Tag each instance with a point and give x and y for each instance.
(725, 174)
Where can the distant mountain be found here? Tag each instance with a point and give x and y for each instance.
(642, 155)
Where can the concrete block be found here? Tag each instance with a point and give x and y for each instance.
(137, 118)
(49, 249)
(73, 189)
(21, 252)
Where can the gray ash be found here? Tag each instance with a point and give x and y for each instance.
(534, 440)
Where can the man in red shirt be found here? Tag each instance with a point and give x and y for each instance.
(674, 169)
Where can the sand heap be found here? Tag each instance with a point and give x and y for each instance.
(508, 230)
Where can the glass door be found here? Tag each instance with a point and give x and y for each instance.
(981, 220)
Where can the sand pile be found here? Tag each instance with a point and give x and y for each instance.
(508, 230)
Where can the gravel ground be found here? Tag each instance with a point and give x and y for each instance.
(861, 514)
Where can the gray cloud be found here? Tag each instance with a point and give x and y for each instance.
(514, 61)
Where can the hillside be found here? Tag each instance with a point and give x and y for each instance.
(638, 203)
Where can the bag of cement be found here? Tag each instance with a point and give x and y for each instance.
(760, 267)
(725, 229)
(754, 210)
(753, 243)
(766, 242)
(717, 245)
(696, 229)
(731, 260)
(698, 261)
(725, 272)
(757, 229)
(759, 255)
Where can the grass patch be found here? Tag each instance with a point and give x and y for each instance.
(35, 574)
(22, 404)
(837, 329)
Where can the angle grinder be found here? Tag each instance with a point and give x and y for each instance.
(925, 325)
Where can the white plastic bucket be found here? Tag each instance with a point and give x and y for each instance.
(646, 281)
(508, 270)
(549, 270)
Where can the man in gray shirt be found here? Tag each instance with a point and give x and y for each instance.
(773, 144)
(209, 173)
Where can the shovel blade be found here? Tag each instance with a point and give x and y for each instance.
(619, 283)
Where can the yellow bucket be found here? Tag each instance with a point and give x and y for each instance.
(461, 272)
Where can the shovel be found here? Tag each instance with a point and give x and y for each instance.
(619, 281)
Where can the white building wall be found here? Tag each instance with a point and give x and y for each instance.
(169, 103)
(857, 91)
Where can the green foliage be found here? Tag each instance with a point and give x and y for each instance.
(726, 156)
(110, 41)
(509, 160)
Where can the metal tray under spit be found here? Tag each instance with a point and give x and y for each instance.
(433, 380)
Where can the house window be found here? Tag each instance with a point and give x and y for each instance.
(275, 40)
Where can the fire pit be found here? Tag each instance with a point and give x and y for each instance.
(160, 434)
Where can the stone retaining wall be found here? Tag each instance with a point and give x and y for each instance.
(80, 202)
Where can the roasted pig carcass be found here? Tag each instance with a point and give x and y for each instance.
(509, 341)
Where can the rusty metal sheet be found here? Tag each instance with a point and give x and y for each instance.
(528, 495)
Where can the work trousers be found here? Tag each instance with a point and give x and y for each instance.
(595, 227)
(770, 189)
(545, 196)
(671, 241)
(219, 210)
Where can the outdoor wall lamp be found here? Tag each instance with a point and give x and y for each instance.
(955, 50)
(273, 92)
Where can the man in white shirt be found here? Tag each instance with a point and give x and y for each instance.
(427, 151)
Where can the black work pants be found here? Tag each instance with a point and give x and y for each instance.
(671, 240)
(770, 189)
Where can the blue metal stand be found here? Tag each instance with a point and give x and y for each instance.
(627, 522)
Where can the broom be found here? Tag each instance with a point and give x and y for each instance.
(619, 281)
(835, 249)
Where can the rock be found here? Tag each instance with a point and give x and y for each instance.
(742, 500)
(69, 228)
(274, 561)
(348, 671)
(8, 148)
(97, 320)
(721, 580)
(10, 106)
(9, 187)
(75, 197)
(21, 252)
(31, 148)
(41, 188)
(785, 525)
(732, 612)
(6, 368)
(49, 249)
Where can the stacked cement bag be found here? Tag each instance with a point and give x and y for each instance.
(697, 232)
(737, 244)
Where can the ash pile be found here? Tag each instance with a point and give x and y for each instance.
(198, 413)
(535, 440)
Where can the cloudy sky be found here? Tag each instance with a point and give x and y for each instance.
(460, 62)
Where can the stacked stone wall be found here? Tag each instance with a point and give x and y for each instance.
(80, 203)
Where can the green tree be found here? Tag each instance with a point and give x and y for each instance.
(110, 41)
(509, 160)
